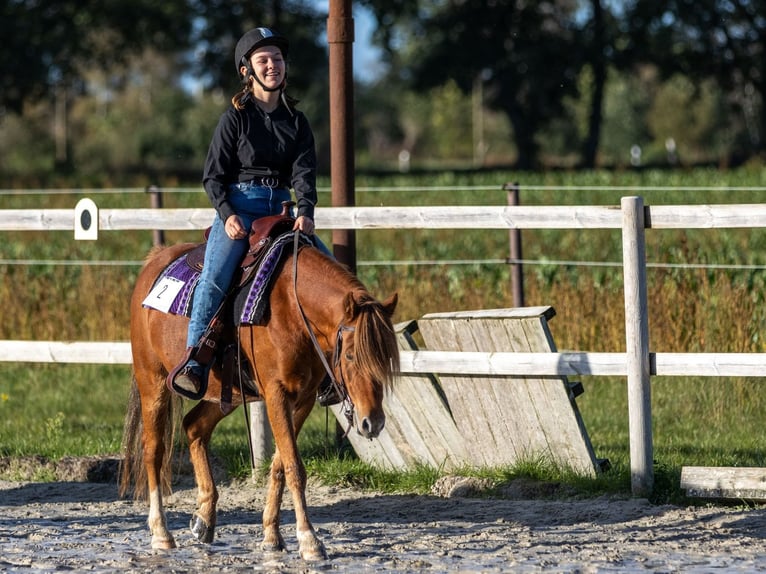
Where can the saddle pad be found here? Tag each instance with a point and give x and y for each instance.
(251, 309)
(173, 291)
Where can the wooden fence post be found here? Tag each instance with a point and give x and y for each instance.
(155, 196)
(514, 241)
(637, 346)
(260, 433)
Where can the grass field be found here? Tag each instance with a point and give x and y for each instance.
(58, 410)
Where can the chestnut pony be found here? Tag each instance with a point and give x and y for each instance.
(356, 337)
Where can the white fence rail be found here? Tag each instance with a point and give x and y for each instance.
(571, 363)
(429, 217)
(632, 217)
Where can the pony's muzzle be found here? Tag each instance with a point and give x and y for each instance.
(370, 428)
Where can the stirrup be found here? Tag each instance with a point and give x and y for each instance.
(328, 394)
(179, 370)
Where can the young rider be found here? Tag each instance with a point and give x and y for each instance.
(262, 147)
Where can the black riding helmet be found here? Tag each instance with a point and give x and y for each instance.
(253, 40)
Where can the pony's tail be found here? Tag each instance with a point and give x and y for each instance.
(132, 468)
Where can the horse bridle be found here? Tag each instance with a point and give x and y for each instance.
(339, 384)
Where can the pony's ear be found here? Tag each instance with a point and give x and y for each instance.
(389, 305)
(350, 307)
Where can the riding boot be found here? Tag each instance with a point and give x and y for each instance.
(328, 394)
(188, 378)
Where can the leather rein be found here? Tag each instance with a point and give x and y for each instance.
(338, 383)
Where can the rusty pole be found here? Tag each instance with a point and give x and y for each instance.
(340, 39)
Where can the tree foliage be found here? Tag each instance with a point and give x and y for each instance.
(50, 43)
(104, 87)
(719, 40)
(516, 48)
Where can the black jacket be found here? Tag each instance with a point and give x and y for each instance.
(250, 140)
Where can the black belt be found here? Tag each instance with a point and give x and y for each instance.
(265, 177)
(268, 181)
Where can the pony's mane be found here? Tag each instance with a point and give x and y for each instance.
(376, 348)
(342, 275)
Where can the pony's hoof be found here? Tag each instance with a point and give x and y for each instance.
(163, 543)
(273, 544)
(311, 548)
(315, 553)
(201, 530)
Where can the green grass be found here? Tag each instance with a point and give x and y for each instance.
(61, 410)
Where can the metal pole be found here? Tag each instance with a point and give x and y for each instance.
(340, 39)
(514, 240)
(637, 346)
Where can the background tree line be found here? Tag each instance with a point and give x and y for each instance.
(113, 91)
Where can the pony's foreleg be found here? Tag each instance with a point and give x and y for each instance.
(199, 424)
(287, 468)
(272, 537)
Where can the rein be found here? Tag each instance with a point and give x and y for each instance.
(339, 385)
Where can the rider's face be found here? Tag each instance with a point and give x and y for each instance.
(268, 65)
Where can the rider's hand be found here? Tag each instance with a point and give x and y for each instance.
(234, 227)
(305, 224)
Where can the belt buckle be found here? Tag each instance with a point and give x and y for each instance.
(270, 182)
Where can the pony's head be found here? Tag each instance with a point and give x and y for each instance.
(367, 357)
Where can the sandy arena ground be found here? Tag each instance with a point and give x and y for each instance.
(84, 527)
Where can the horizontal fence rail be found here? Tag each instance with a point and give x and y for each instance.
(631, 217)
(427, 217)
(573, 363)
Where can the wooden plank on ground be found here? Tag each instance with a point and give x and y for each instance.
(506, 419)
(724, 482)
(419, 427)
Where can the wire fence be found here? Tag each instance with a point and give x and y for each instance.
(415, 263)
(405, 188)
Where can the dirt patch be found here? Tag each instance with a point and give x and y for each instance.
(68, 469)
(79, 525)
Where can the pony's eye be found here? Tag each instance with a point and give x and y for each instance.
(349, 356)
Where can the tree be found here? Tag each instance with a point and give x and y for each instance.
(596, 55)
(723, 40)
(60, 52)
(527, 53)
(48, 44)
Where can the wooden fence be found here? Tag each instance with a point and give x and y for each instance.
(632, 217)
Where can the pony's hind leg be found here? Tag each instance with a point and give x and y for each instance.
(154, 409)
(199, 424)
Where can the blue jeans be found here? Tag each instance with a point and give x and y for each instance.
(222, 255)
